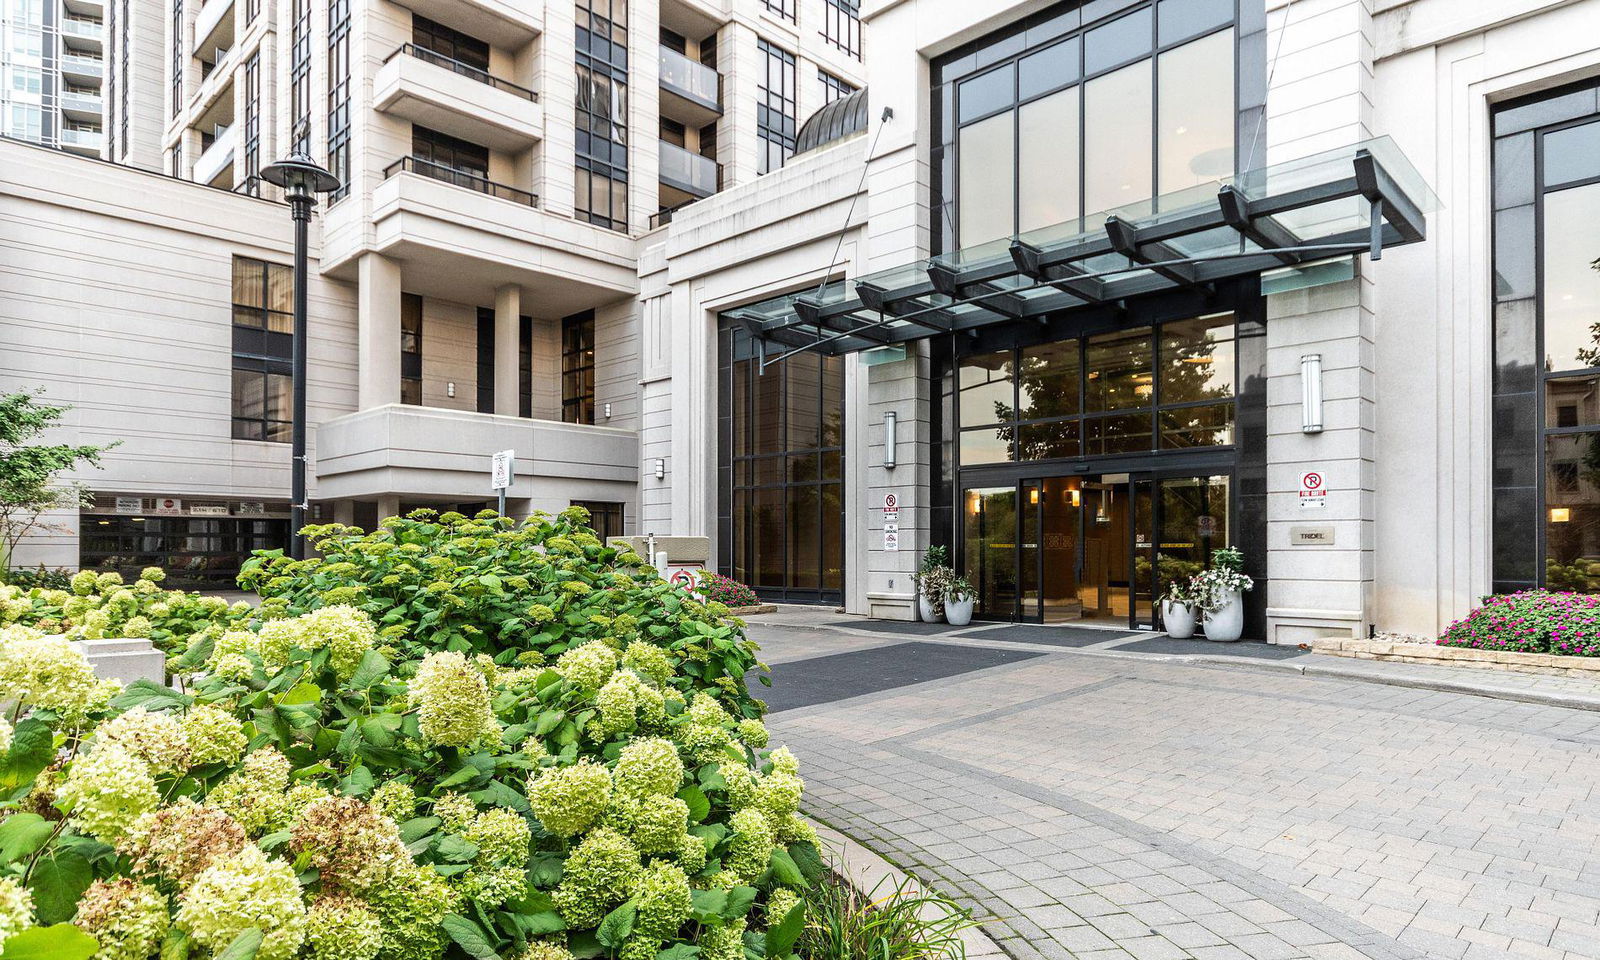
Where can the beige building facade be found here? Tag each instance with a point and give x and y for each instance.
(1084, 293)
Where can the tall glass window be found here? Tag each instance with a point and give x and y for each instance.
(841, 25)
(339, 94)
(1546, 459)
(411, 348)
(300, 78)
(783, 8)
(781, 463)
(1064, 119)
(601, 192)
(577, 368)
(263, 340)
(775, 107)
(833, 88)
(177, 57)
(252, 124)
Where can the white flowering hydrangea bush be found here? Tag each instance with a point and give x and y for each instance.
(101, 604)
(323, 787)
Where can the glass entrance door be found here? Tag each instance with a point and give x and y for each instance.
(990, 548)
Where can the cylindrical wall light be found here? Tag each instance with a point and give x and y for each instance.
(890, 421)
(1311, 393)
(661, 468)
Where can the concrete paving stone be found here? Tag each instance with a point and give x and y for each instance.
(1154, 948)
(1120, 926)
(1224, 952)
(1189, 935)
(1080, 939)
(1265, 946)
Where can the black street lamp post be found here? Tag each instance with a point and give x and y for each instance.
(301, 180)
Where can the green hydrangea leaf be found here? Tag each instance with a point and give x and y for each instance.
(61, 941)
(709, 906)
(469, 937)
(699, 806)
(456, 849)
(358, 784)
(785, 870)
(679, 951)
(150, 695)
(544, 870)
(585, 946)
(808, 858)
(22, 835)
(57, 882)
(244, 946)
(782, 935)
(373, 667)
(617, 925)
(739, 901)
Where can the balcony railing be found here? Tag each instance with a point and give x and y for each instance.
(663, 217)
(82, 102)
(691, 80)
(80, 65)
(82, 28)
(77, 137)
(465, 69)
(689, 172)
(460, 178)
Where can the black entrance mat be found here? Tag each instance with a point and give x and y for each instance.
(1245, 650)
(1052, 635)
(840, 676)
(909, 628)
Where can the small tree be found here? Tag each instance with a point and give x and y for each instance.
(28, 471)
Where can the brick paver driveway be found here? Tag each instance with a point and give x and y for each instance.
(1111, 808)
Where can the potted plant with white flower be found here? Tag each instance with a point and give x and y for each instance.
(931, 580)
(958, 597)
(1222, 587)
(1180, 607)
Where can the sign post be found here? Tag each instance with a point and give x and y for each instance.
(502, 473)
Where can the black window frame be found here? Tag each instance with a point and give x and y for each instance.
(834, 87)
(841, 26)
(777, 104)
(606, 517)
(300, 78)
(578, 359)
(443, 150)
(787, 9)
(263, 349)
(252, 125)
(601, 150)
(339, 96)
(411, 326)
(449, 42)
(177, 59)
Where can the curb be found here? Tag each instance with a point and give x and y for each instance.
(1434, 684)
(866, 870)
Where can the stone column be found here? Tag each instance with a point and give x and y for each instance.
(378, 332)
(507, 349)
(388, 506)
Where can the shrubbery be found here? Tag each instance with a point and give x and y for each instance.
(1533, 621)
(726, 590)
(552, 755)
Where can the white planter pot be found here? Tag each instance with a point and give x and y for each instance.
(925, 608)
(958, 613)
(1226, 623)
(1178, 618)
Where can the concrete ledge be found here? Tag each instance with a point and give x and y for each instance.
(759, 608)
(866, 870)
(125, 660)
(1587, 668)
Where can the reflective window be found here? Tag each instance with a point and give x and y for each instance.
(1121, 40)
(1047, 162)
(1572, 154)
(987, 93)
(1197, 360)
(1118, 372)
(577, 368)
(1048, 380)
(1570, 246)
(1196, 137)
(987, 394)
(1048, 69)
(1117, 112)
(988, 165)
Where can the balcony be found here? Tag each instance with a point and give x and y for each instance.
(501, 23)
(84, 141)
(688, 172)
(79, 33)
(82, 105)
(462, 236)
(215, 165)
(691, 92)
(83, 67)
(452, 97)
(213, 28)
(428, 452)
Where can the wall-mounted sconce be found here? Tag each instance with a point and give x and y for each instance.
(1311, 393)
(1075, 497)
(890, 439)
(661, 468)
(1033, 494)
(972, 503)
(608, 411)
(450, 389)
(1560, 515)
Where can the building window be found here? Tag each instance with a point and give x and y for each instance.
(177, 58)
(780, 470)
(339, 94)
(577, 368)
(300, 79)
(446, 42)
(411, 349)
(195, 551)
(443, 150)
(252, 124)
(263, 342)
(775, 107)
(605, 517)
(485, 365)
(1546, 410)
(783, 8)
(1069, 125)
(1128, 391)
(841, 25)
(122, 77)
(601, 192)
(833, 88)
(251, 9)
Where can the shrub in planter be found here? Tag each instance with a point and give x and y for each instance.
(306, 796)
(726, 590)
(1533, 621)
(42, 577)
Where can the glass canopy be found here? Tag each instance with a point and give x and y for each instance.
(1362, 198)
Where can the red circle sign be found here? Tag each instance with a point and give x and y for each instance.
(890, 501)
(1312, 481)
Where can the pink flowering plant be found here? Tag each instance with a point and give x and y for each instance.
(1532, 621)
(725, 590)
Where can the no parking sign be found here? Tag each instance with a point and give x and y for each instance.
(1313, 490)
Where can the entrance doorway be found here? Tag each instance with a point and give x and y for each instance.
(1084, 548)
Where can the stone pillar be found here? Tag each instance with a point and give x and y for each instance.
(388, 506)
(507, 349)
(344, 511)
(1324, 588)
(378, 332)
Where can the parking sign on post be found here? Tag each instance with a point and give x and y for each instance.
(502, 473)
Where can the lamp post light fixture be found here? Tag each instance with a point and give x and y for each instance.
(890, 422)
(1311, 393)
(301, 179)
